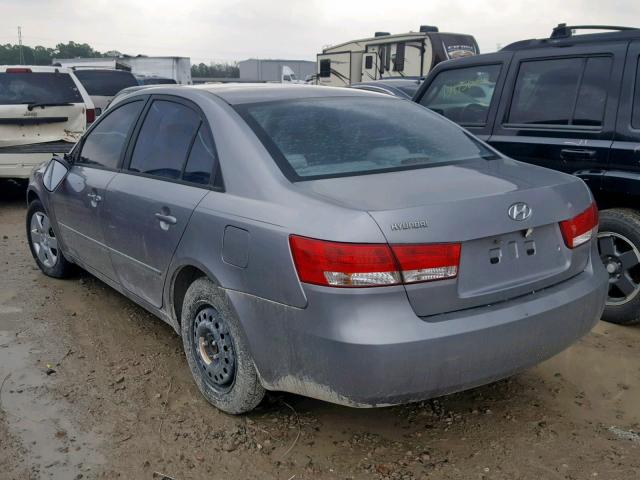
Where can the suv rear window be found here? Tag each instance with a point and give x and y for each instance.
(562, 91)
(344, 136)
(38, 87)
(105, 82)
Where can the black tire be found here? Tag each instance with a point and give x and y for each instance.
(621, 249)
(207, 307)
(62, 268)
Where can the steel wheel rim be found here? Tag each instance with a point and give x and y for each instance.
(213, 349)
(621, 259)
(43, 240)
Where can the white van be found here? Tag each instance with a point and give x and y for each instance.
(43, 110)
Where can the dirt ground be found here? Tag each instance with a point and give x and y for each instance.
(92, 386)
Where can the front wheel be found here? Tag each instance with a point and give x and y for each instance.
(619, 246)
(216, 351)
(44, 244)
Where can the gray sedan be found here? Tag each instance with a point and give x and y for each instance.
(334, 243)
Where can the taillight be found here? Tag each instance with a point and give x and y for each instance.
(368, 265)
(343, 264)
(18, 70)
(581, 228)
(91, 115)
(424, 263)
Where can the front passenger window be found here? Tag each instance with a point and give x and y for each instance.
(463, 95)
(104, 145)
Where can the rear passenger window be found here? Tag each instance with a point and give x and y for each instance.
(463, 94)
(202, 159)
(103, 146)
(592, 96)
(635, 119)
(566, 91)
(164, 139)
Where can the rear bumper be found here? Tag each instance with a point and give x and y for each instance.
(20, 165)
(361, 349)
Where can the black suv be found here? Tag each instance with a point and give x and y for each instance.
(571, 103)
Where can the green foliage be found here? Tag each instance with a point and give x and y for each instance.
(39, 55)
(218, 70)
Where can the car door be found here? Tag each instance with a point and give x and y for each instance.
(78, 201)
(466, 92)
(624, 162)
(169, 170)
(559, 108)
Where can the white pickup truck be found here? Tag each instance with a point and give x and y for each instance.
(43, 111)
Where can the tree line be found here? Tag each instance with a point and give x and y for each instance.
(39, 55)
(218, 70)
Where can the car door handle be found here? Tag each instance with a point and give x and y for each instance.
(577, 154)
(168, 219)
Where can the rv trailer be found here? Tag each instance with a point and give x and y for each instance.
(384, 55)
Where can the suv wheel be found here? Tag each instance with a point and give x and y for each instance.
(619, 245)
(216, 351)
(43, 243)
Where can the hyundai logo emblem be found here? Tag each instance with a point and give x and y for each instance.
(519, 211)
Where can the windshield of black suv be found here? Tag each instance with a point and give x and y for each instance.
(38, 87)
(343, 136)
(105, 82)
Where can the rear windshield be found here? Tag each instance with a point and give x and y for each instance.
(38, 87)
(344, 136)
(105, 82)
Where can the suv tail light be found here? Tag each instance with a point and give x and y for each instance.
(91, 115)
(337, 264)
(581, 228)
(18, 70)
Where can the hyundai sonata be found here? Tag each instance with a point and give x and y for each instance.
(335, 243)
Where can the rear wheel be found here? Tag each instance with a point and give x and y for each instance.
(216, 351)
(619, 246)
(44, 244)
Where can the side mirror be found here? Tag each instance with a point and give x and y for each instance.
(55, 172)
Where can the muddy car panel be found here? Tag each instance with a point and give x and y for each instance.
(367, 346)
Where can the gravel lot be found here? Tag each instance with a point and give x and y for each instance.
(92, 386)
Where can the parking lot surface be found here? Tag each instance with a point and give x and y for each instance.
(92, 386)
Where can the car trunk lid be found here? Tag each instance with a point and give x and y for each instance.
(501, 258)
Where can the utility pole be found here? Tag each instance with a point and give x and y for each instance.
(20, 45)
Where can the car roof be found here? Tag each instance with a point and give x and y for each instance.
(239, 93)
(566, 39)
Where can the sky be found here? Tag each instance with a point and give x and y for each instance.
(233, 30)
